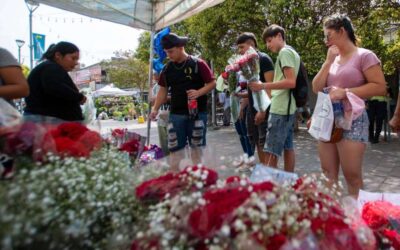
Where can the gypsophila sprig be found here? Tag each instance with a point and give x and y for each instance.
(70, 203)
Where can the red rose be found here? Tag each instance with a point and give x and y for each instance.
(67, 147)
(131, 146)
(393, 237)
(225, 75)
(91, 139)
(72, 130)
(375, 214)
(156, 189)
(276, 241)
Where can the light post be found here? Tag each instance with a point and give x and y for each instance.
(32, 6)
(20, 43)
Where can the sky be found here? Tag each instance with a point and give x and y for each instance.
(96, 39)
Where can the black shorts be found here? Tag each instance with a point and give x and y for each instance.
(256, 133)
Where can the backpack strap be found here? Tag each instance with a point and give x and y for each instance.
(290, 93)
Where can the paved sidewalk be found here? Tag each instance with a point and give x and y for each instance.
(381, 162)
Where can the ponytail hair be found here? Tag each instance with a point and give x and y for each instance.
(62, 47)
(338, 21)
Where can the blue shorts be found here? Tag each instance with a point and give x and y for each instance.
(359, 129)
(182, 131)
(279, 134)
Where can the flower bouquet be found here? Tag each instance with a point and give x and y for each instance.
(384, 219)
(206, 213)
(249, 66)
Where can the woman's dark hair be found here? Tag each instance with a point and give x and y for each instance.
(272, 31)
(338, 21)
(62, 47)
(244, 37)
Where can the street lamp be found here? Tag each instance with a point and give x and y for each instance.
(20, 43)
(32, 6)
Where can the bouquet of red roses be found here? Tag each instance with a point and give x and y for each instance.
(384, 219)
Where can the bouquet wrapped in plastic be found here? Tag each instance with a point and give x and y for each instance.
(249, 65)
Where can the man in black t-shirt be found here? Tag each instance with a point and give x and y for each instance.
(257, 122)
(188, 78)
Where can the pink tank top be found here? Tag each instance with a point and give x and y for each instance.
(350, 74)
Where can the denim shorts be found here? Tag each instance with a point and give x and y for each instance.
(279, 134)
(359, 129)
(182, 131)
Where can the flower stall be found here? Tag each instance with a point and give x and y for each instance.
(73, 189)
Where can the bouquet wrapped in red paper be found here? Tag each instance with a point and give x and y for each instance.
(249, 66)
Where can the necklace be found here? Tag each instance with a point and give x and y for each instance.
(180, 67)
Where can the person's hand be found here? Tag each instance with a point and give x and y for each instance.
(333, 52)
(395, 123)
(259, 118)
(153, 115)
(193, 94)
(83, 100)
(337, 94)
(256, 86)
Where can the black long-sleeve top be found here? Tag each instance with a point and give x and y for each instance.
(53, 93)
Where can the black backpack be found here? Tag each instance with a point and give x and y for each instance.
(300, 92)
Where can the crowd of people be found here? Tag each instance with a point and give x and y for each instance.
(347, 68)
(179, 96)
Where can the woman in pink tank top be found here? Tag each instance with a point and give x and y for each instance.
(348, 68)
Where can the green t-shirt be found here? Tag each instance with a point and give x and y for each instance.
(287, 57)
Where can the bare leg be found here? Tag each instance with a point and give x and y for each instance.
(289, 160)
(351, 157)
(329, 157)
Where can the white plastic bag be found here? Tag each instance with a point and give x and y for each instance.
(322, 118)
(89, 110)
(263, 173)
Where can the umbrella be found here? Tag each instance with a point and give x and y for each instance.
(150, 15)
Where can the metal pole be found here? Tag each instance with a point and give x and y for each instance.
(32, 6)
(213, 106)
(30, 39)
(19, 55)
(150, 80)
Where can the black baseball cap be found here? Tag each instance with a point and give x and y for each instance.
(173, 40)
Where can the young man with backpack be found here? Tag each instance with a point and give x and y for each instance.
(189, 79)
(283, 104)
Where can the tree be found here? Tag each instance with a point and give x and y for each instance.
(143, 51)
(126, 71)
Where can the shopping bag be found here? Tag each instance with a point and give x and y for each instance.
(322, 118)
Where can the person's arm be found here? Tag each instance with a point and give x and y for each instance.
(260, 116)
(55, 83)
(160, 99)
(208, 78)
(395, 121)
(15, 85)
(319, 81)
(375, 86)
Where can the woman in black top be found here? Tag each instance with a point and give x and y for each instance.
(52, 91)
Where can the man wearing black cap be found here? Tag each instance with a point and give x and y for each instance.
(189, 79)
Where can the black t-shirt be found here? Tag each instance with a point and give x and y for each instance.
(180, 77)
(266, 65)
(53, 93)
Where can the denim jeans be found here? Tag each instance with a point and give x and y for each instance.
(240, 126)
(182, 131)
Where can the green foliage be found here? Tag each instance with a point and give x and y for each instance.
(127, 71)
(143, 51)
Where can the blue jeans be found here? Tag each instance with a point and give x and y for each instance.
(240, 126)
(182, 131)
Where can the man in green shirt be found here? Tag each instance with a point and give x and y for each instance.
(280, 123)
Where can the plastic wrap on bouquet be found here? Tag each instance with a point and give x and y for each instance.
(249, 65)
(263, 173)
(235, 107)
(89, 110)
(9, 116)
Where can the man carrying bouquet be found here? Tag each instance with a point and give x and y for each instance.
(257, 121)
(280, 124)
(189, 80)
